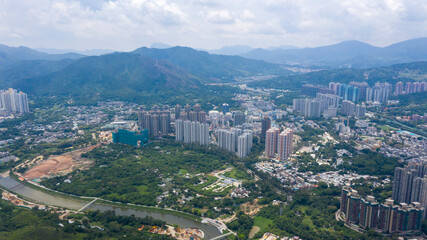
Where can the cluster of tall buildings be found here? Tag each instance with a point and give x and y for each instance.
(312, 90)
(386, 217)
(346, 91)
(278, 144)
(409, 87)
(13, 101)
(361, 91)
(381, 92)
(236, 140)
(351, 109)
(194, 114)
(192, 132)
(324, 103)
(157, 120)
(410, 184)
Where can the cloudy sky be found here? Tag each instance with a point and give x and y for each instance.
(208, 24)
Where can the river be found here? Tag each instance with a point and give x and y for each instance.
(48, 199)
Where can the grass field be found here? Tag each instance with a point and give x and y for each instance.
(262, 223)
(237, 174)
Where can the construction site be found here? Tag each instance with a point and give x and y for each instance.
(176, 232)
(40, 168)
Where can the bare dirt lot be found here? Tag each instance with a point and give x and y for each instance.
(251, 208)
(60, 165)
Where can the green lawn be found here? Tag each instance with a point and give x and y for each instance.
(237, 174)
(262, 223)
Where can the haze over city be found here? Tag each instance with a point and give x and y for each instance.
(124, 25)
(213, 119)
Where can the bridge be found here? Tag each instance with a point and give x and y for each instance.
(87, 205)
(222, 236)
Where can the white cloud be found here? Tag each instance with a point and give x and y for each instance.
(128, 24)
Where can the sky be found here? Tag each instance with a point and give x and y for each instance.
(124, 25)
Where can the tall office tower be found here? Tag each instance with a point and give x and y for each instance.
(244, 144)
(164, 124)
(284, 144)
(398, 89)
(265, 125)
(187, 131)
(187, 108)
(347, 108)
(177, 112)
(204, 134)
(239, 118)
(179, 130)
(201, 116)
(225, 108)
(195, 132)
(362, 88)
(271, 139)
(360, 111)
(197, 108)
(154, 125)
(192, 116)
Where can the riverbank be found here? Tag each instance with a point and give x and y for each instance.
(85, 199)
(28, 191)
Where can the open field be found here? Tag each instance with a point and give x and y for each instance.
(59, 165)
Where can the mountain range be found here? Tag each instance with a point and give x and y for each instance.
(147, 73)
(10, 55)
(349, 54)
(143, 74)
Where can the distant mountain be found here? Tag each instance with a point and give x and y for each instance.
(160, 45)
(88, 52)
(347, 54)
(19, 70)
(124, 76)
(414, 71)
(13, 54)
(282, 47)
(211, 67)
(232, 50)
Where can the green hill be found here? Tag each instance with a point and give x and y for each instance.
(123, 76)
(213, 68)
